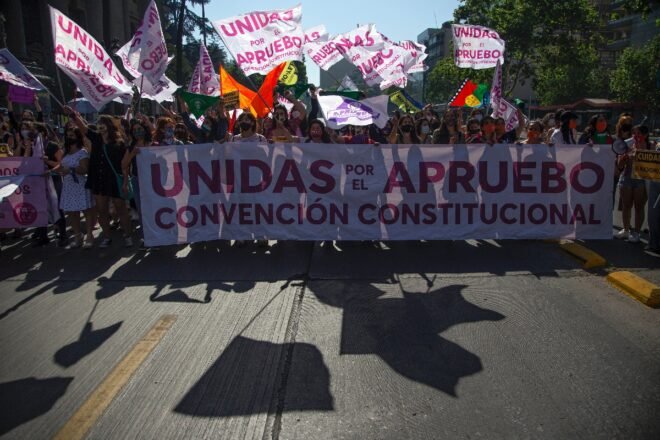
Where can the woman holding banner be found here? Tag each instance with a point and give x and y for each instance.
(107, 151)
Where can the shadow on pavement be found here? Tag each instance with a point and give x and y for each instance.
(25, 399)
(88, 341)
(404, 332)
(233, 384)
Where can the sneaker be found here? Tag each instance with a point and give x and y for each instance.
(128, 242)
(634, 237)
(622, 234)
(88, 244)
(76, 243)
(105, 242)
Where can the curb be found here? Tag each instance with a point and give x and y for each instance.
(590, 258)
(642, 290)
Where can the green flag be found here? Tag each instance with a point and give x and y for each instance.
(198, 104)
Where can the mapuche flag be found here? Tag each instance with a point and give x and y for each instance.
(470, 94)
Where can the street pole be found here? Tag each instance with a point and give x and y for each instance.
(203, 25)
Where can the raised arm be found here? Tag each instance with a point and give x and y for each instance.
(75, 117)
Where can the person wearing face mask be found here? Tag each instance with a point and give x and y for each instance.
(182, 134)
(215, 127)
(566, 134)
(164, 134)
(473, 132)
(596, 132)
(247, 125)
(108, 148)
(477, 114)
(281, 132)
(534, 133)
(75, 197)
(26, 116)
(361, 136)
(423, 130)
(24, 140)
(403, 131)
(631, 190)
(488, 135)
(140, 136)
(317, 133)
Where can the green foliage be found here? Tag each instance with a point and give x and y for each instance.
(542, 40)
(636, 77)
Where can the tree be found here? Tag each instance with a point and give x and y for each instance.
(180, 25)
(541, 36)
(636, 77)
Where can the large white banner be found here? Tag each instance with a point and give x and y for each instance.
(14, 72)
(261, 40)
(477, 47)
(86, 62)
(339, 111)
(147, 51)
(204, 80)
(365, 192)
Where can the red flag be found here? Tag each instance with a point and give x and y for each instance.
(266, 92)
(232, 122)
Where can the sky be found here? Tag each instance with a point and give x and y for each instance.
(401, 20)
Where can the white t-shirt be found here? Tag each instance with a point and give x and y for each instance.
(256, 137)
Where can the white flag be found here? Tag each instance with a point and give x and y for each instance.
(417, 52)
(147, 50)
(339, 111)
(261, 40)
(85, 61)
(204, 80)
(160, 91)
(508, 112)
(496, 87)
(476, 47)
(347, 84)
(14, 72)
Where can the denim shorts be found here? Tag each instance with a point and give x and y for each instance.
(629, 182)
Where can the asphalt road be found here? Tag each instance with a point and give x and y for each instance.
(397, 340)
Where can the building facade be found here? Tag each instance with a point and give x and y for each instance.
(27, 30)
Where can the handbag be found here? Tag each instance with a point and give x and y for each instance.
(120, 179)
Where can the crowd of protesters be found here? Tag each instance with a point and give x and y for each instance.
(94, 169)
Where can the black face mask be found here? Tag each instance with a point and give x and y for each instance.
(245, 126)
(406, 128)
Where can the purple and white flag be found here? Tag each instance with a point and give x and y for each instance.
(86, 62)
(339, 111)
(261, 40)
(15, 73)
(496, 87)
(477, 47)
(508, 112)
(204, 80)
(146, 52)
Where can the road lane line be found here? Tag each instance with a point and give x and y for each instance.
(77, 427)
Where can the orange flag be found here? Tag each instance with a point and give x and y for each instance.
(229, 84)
(266, 92)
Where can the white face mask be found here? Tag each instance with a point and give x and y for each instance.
(295, 114)
(478, 117)
(425, 129)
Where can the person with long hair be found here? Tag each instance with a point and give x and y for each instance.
(534, 133)
(565, 135)
(403, 131)
(631, 190)
(75, 197)
(488, 134)
(317, 133)
(108, 147)
(450, 130)
(281, 132)
(164, 133)
(596, 132)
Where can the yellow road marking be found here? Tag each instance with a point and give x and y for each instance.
(82, 421)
